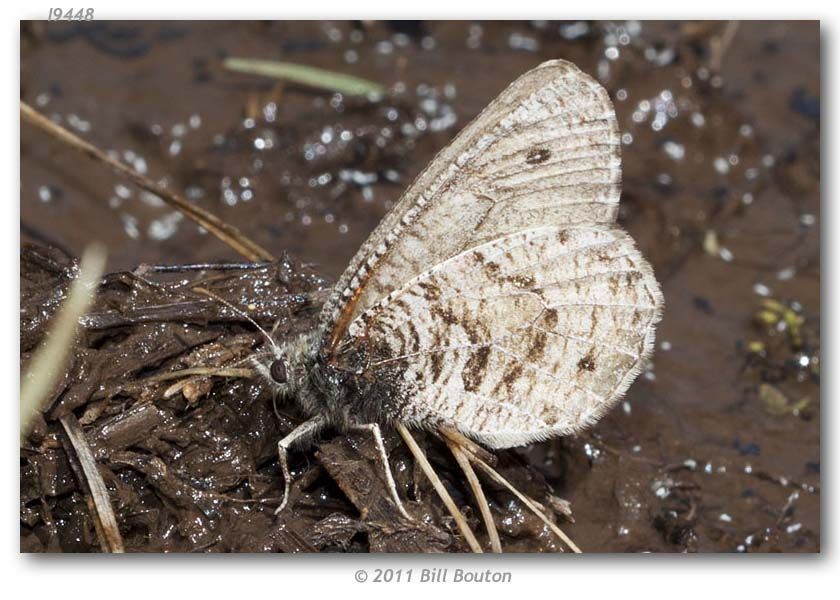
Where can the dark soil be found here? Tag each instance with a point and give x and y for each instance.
(714, 449)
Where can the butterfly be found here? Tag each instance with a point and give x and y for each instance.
(498, 298)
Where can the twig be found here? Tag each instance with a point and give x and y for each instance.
(721, 44)
(527, 501)
(50, 359)
(225, 266)
(421, 459)
(464, 462)
(112, 541)
(207, 371)
(225, 232)
(201, 371)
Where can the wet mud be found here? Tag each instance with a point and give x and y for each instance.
(715, 447)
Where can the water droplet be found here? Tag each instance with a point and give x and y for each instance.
(721, 165)
(761, 290)
(122, 191)
(786, 274)
(45, 194)
(130, 226)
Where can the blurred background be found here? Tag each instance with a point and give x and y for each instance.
(716, 446)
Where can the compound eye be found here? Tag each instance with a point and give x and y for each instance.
(278, 371)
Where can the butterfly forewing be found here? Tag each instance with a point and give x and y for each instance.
(545, 152)
(530, 335)
(498, 296)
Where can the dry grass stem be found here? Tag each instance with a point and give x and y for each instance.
(527, 502)
(225, 232)
(464, 462)
(455, 436)
(50, 359)
(306, 75)
(720, 44)
(421, 459)
(205, 371)
(110, 532)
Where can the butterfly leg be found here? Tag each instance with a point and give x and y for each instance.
(307, 429)
(376, 432)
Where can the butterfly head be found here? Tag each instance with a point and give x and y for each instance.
(278, 371)
(284, 365)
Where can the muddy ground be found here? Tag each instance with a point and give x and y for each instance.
(716, 446)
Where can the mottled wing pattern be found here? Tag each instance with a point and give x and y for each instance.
(546, 152)
(527, 336)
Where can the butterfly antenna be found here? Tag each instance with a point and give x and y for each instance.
(242, 314)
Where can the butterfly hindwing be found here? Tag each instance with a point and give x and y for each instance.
(529, 335)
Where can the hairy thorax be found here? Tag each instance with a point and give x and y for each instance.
(338, 388)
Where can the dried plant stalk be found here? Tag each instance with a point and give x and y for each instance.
(464, 462)
(112, 540)
(224, 231)
(421, 459)
(306, 75)
(497, 477)
(49, 361)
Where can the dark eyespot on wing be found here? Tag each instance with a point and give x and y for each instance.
(537, 156)
(587, 363)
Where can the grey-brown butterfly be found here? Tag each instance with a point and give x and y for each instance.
(498, 297)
